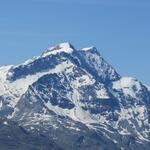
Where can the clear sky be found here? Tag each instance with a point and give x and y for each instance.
(120, 29)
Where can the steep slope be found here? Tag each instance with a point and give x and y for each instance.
(67, 90)
(15, 137)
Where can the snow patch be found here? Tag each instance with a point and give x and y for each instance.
(77, 113)
(129, 86)
(5, 123)
(102, 94)
(88, 48)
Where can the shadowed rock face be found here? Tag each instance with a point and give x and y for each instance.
(72, 99)
(16, 137)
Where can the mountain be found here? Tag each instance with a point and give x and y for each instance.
(72, 99)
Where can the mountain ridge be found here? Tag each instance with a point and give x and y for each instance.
(71, 90)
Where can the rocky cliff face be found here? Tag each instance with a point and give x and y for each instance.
(76, 100)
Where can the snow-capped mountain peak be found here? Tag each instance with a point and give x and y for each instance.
(76, 90)
(62, 47)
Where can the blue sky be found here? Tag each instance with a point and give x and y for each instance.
(120, 29)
